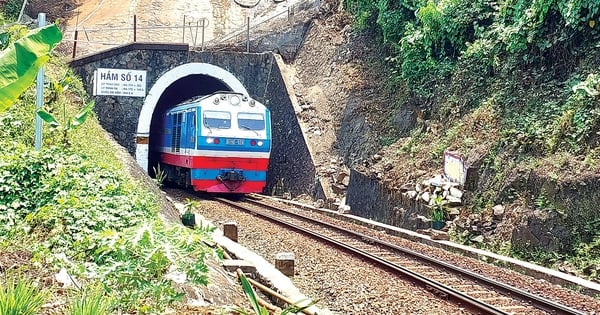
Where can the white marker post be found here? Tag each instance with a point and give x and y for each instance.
(39, 94)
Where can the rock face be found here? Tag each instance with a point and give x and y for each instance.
(542, 229)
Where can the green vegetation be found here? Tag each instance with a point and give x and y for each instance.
(261, 310)
(20, 297)
(72, 205)
(439, 209)
(90, 301)
(57, 89)
(21, 60)
(514, 83)
(12, 8)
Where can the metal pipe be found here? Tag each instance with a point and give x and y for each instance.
(248, 36)
(196, 36)
(183, 33)
(204, 25)
(39, 94)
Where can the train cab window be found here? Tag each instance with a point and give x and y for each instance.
(251, 121)
(219, 120)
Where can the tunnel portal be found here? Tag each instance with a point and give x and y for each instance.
(176, 86)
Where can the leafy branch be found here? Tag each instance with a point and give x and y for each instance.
(57, 88)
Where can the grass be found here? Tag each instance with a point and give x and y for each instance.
(90, 301)
(21, 297)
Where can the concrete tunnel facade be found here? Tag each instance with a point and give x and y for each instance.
(174, 73)
(186, 81)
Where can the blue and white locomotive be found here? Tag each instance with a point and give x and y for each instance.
(217, 143)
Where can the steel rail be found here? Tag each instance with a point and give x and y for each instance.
(538, 301)
(459, 297)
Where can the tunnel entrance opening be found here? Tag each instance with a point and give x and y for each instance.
(179, 91)
(171, 88)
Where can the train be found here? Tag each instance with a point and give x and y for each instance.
(217, 143)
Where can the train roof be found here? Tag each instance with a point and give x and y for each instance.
(194, 102)
(195, 99)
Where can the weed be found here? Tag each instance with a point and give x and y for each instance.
(412, 145)
(12, 8)
(21, 297)
(90, 301)
(57, 90)
(139, 263)
(161, 175)
(439, 209)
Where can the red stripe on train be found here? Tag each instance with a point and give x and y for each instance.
(216, 186)
(210, 162)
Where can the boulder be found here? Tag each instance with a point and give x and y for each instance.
(455, 192)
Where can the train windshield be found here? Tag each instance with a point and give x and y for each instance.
(219, 120)
(251, 121)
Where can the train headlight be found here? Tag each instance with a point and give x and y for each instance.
(234, 100)
(260, 143)
(213, 140)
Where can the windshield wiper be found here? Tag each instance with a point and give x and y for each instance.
(248, 128)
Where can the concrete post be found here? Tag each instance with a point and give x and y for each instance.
(39, 94)
(230, 230)
(284, 262)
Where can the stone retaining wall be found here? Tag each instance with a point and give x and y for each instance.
(368, 198)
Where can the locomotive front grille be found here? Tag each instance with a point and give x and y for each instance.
(232, 176)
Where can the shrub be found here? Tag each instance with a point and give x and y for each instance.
(12, 8)
(140, 263)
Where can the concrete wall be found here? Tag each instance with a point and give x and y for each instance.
(368, 198)
(293, 160)
(119, 114)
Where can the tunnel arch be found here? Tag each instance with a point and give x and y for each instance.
(165, 90)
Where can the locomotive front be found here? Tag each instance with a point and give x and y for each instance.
(224, 144)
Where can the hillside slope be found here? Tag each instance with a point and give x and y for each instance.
(533, 172)
(526, 198)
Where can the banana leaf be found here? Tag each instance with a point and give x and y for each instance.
(20, 62)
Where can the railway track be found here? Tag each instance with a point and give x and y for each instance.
(465, 288)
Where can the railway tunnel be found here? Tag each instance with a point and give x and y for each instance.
(173, 87)
(174, 73)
